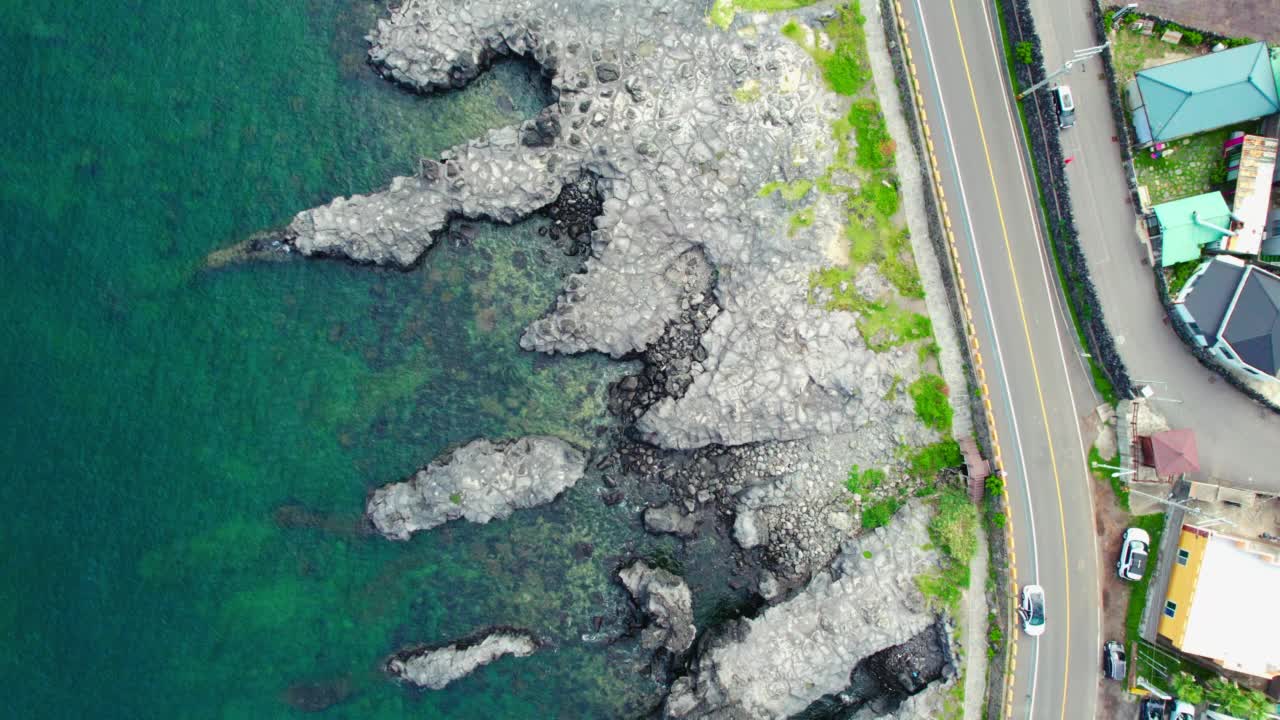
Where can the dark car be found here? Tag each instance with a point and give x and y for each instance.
(1113, 661)
(1152, 709)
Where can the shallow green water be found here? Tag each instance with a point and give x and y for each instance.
(187, 451)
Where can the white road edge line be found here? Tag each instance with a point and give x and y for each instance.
(1031, 204)
(986, 305)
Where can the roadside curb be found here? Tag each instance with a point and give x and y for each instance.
(970, 331)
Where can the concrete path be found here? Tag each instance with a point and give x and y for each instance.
(974, 629)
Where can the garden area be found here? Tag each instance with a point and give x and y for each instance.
(1187, 167)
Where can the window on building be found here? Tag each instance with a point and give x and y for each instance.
(1183, 556)
(1170, 608)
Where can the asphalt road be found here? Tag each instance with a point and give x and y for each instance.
(1032, 363)
(1235, 437)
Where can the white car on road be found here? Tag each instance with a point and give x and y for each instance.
(1031, 609)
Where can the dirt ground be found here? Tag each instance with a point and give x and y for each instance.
(1241, 18)
(1113, 701)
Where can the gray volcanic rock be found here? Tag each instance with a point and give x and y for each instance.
(670, 519)
(646, 103)
(796, 652)
(479, 481)
(435, 667)
(666, 600)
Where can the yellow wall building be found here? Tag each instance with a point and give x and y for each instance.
(1221, 602)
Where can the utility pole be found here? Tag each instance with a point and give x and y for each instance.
(1080, 56)
(1207, 521)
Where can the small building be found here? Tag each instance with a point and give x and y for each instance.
(1251, 164)
(1233, 309)
(1203, 93)
(1189, 224)
(1220, 603)
(1170, 453)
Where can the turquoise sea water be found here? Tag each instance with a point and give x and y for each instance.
(186, 451)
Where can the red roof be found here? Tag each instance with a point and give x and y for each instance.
(1174, 452)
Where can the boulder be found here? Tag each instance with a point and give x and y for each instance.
(478, 482)
(434, 667)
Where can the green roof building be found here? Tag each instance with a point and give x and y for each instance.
(1189, 224)
(1211, 91)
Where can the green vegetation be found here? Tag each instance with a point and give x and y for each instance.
(456, 498)
(875, 147)
(995, 636)
(994, 501)
(801, 219)
(866, 554)
(1154, 525)
(749, 92)
(930, 460)
(879, 513)
(723, 11)
(1132, 51)
(1118, 485)
(954, 530)
(1237, 701)
(790, 191)
(1179, 274)
(1025, 52)
(926, 351)
(892, 393)
(861, 482)
(1187, 687)
(932, 401)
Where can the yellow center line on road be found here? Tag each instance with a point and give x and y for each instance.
(1035, 371)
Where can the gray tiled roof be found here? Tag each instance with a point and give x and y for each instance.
(1253, 330)
(1209, 298)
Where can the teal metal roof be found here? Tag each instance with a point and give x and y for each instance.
(1181, 236)
(1210, 91)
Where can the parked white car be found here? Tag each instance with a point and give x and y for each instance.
(1133, 554)
(1031, 608)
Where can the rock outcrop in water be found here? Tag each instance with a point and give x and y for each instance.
(479, 481)
(436, 666)
(796, 652)
(646, 104)
(665, 601)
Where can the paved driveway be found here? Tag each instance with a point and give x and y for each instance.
(1236, 437)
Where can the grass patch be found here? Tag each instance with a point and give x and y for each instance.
(860, 482)
(892, 393)
(1154, 525)
(875, 148)
(879, 513)
(1132, 51)
(928, 461)
(954, 530)
(800, 219)
(926, 351)
(886, 326)
(1118, 486)
(790, 191)
(723, 11)
(932, 402)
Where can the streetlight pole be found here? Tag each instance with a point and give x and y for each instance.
(1115, 19)
(1080, 56)
(1119, 471)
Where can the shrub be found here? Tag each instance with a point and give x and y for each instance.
(1193, 37)
(946, 585)
(1025, 52)
(929, 460)
(879, 514)
(1187, 687)
(1235, 700)
(933, 407)
(875, 147)
(1238, 42)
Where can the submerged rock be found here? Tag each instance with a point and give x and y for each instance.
(665, 600)
(796, 652)
(434, 667)
(479, 481)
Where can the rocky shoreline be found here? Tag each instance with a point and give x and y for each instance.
(753, 401)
